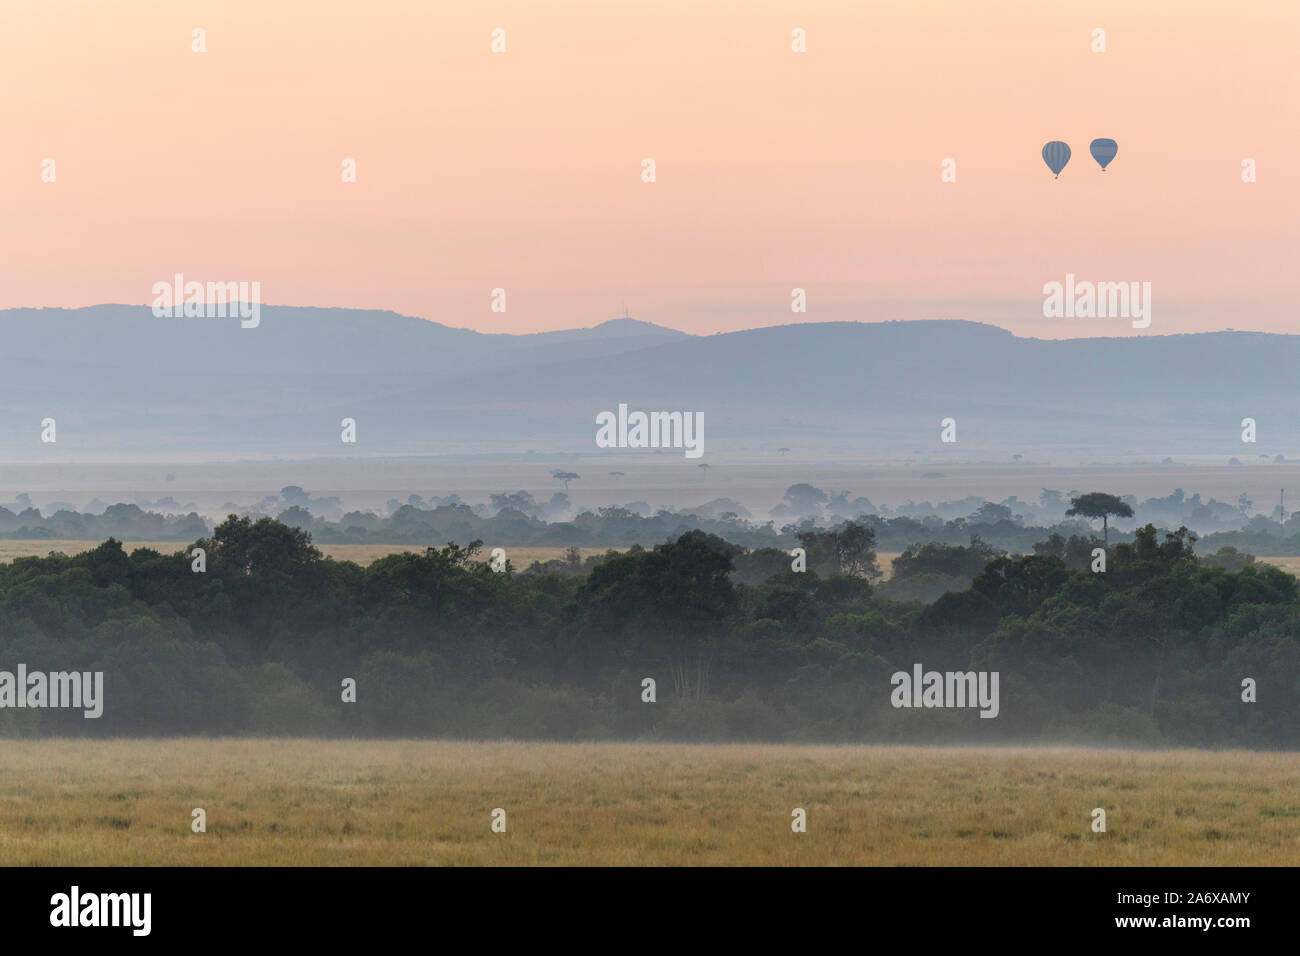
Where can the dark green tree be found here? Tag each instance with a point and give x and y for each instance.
(1098, 504)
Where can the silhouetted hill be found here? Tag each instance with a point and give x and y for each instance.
(121, 382)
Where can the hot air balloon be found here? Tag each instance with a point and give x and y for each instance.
(1103, 151)
(1056, 154)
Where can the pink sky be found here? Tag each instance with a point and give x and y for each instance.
(775, 170)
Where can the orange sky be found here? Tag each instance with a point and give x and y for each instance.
(522, 170)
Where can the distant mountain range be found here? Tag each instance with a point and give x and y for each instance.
(120, 382)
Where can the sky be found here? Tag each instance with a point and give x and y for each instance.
(774, 170)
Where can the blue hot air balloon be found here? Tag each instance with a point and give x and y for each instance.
(1103, 151)
(1056, 154)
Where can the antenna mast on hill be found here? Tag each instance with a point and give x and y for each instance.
(625, 315)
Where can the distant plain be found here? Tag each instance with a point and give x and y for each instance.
(755, 480)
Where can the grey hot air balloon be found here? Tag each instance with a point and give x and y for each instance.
(1103, 151)
(1056, 154)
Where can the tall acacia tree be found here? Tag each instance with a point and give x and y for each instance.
(560, 474)
(1098, 504)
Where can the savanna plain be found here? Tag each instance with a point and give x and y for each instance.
(363, 802)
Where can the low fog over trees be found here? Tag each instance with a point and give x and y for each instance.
(739, 644)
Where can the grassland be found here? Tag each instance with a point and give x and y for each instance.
(363, 554)
(1289, 564)
(117, 802)
(520, 557)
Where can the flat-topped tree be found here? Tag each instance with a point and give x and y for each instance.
(565, 476)
(1097, 504)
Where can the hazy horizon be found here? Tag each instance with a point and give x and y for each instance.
(587, 323)
(775, 170)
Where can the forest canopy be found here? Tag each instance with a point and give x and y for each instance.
(1152, 651)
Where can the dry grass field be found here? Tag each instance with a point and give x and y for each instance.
(121, 802)
(360, 553)
(364, 554)
(1289, 564)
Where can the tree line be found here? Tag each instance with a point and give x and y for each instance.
(740, 646)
